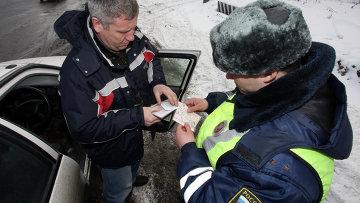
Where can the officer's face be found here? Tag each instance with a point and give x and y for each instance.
(118, 34)
(247, 84)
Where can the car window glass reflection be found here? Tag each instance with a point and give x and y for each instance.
(174, 70)
(24, 172)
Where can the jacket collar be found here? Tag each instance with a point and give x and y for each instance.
(91, 35)
(287, 93)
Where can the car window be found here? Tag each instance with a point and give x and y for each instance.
(178, 66)
(174, 70)
(25, 171)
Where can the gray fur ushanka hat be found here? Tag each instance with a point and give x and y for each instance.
(261, 37)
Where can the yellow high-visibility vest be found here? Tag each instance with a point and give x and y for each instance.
(216, 138)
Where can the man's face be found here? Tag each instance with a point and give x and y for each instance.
(246, 84)
(118, 34)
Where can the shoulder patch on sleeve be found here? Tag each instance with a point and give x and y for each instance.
(245, 196)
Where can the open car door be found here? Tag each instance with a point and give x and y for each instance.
(178, 67)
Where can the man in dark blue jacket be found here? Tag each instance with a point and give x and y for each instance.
(275, 138)
(107, 83)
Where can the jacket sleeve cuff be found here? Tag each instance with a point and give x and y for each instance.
(214, 99)
(157, 82)
(191, 157)
(188, 147)
(138, 115)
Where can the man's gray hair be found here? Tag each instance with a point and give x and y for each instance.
(106, 10)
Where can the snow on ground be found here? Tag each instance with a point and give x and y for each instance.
(185, 24)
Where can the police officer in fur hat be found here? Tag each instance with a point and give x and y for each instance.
(276, 136)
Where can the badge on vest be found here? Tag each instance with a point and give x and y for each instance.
(244, 196)
(220, 128)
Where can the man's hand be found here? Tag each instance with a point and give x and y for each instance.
(184, 135)
(196, 104)
(149, 118)
(165, 90)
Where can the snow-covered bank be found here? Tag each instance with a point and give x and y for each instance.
(185, 24)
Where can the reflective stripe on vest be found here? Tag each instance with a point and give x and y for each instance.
(323, 165)
(216, 138)
(214, 134)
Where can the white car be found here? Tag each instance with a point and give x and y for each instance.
(39, 162)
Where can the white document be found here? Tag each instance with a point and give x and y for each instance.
(182, 116)
(167, 106)
(166, 109)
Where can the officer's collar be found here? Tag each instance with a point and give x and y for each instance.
(287, 93)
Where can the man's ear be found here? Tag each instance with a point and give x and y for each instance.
(270, 77)
(98, 27)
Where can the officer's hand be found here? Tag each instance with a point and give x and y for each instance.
(149, 118)
(184, 135)
(165, 90)
(196, 104)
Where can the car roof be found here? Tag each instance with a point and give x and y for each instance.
(5, 67)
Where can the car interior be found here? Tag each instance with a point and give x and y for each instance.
(34, 104)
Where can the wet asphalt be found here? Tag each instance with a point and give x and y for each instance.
(26, 28)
